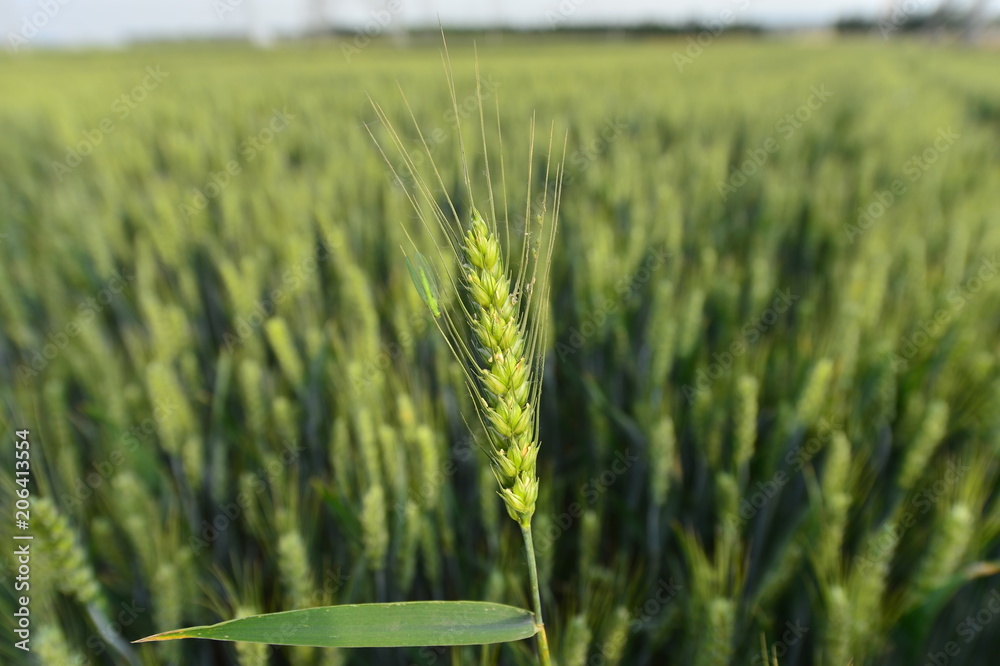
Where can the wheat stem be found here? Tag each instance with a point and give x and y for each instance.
(543, 641)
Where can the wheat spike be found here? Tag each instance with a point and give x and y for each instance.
(919, 453)
(837, 637)
(76, 577)
(375, 533)
(617, 637)
(506, 375)
(662, 449)
(716, 643)
(948, 545)
(577, 641)
(52, 648)
(745, 435)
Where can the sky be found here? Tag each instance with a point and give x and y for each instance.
(45, 23)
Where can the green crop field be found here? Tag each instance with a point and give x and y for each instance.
(771, 406)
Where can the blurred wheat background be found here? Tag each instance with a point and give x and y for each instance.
(771, 413)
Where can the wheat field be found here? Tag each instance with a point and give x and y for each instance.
(771, 415)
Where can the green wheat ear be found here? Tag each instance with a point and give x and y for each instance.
(425, 281)
(506, 378)
(494, 315)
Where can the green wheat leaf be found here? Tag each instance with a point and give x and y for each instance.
(409, 624)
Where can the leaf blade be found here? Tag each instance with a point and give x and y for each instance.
(406, 624)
